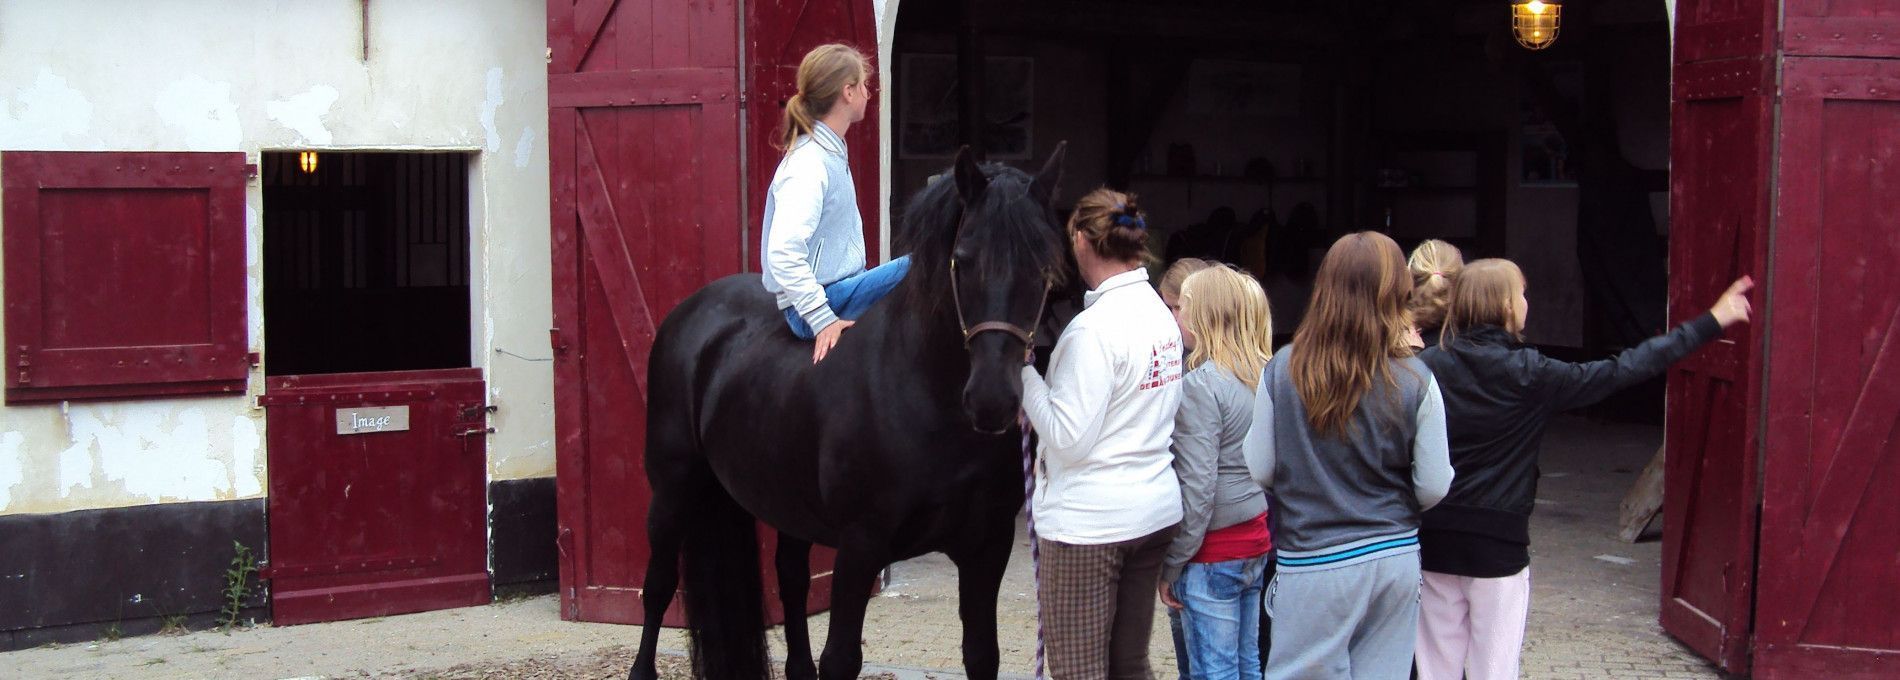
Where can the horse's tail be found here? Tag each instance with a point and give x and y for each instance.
(725, 599)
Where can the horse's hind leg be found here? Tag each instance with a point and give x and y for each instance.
(793, 562)
(856, 571)
(980, 570)
(673, 482)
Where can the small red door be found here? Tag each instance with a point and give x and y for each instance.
(1828, 603)
(378, 499)
(1720, 149)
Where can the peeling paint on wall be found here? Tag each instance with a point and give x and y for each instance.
(158, 452)
(439, 86)
(524, 148)
(204, 111)
(303, 113)
(12, 466)
(49, 114)
(491, 102)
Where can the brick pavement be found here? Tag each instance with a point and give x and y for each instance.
(1591, 618)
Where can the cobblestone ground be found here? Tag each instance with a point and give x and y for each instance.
(1594, 609)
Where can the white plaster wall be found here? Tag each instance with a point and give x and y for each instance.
(254, 75)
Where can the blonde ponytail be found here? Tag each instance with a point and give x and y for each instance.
(822, 78)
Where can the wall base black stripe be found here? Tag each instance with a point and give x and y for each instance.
(70, 576)
(522, 525)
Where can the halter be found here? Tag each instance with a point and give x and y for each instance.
(970, 332)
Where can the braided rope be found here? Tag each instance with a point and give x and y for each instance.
(1035, 550)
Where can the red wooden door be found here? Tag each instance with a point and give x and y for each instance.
(1720, 150)
(644, 137)
(376, 522)
(1828, 603)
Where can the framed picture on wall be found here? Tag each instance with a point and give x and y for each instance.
(927, 111)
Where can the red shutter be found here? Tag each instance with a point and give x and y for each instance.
(124, 274)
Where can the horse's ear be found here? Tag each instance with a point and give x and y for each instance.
(970, 179)
(1043, 188)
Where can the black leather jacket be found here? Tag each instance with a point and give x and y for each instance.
(1499, 396)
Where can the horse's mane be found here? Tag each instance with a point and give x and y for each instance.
(1016, 234)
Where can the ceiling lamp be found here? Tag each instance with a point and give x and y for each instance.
(307, 161)
(1535, 23)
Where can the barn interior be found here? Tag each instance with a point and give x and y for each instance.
(1257, 132)
(366, 261)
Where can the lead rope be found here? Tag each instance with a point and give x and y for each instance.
(1035, 549)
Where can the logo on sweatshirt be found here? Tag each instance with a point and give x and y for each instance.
(1164, 365)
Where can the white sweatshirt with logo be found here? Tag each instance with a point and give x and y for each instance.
(1105, 417)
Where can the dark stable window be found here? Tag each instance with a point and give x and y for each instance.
(366, 262)
(124, 274)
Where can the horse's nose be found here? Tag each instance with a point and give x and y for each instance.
(991, 414)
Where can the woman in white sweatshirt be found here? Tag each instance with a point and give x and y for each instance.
(1107, 501)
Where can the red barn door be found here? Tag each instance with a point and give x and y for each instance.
(1720, 154)
(1828, 603)
(643, 125)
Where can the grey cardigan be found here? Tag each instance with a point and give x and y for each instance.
(1216, 489)
(1343, 500)
(813, 235)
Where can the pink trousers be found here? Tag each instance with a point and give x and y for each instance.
(1471, 627)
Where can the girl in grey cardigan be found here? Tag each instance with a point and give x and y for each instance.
(1213, 573)
(1349, 434)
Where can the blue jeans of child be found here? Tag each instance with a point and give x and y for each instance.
(851, 297)
(1221, 625)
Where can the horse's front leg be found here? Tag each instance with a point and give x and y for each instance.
(793, 562)
(979, 577)
(855, 572)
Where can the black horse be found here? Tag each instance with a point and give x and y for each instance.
(902, 442)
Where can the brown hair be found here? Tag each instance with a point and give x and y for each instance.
(1112, 224)
(1226, 311)
(1486, 294)
(822, 77)
(1435, 265)
(1177, 275)
(1355, 322)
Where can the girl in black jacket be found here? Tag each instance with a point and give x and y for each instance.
(1499, 395)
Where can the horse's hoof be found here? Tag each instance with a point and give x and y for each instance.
(647, 672)
(805, 671)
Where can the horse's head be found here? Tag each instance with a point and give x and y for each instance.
(997, 266)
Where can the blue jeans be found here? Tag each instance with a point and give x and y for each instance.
(851, 297)
(1221, 624)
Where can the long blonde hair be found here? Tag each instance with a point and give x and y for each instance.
(1227, 313)
(1486, 294)
(1354, 324)
(822, 77)
(1434, 265)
